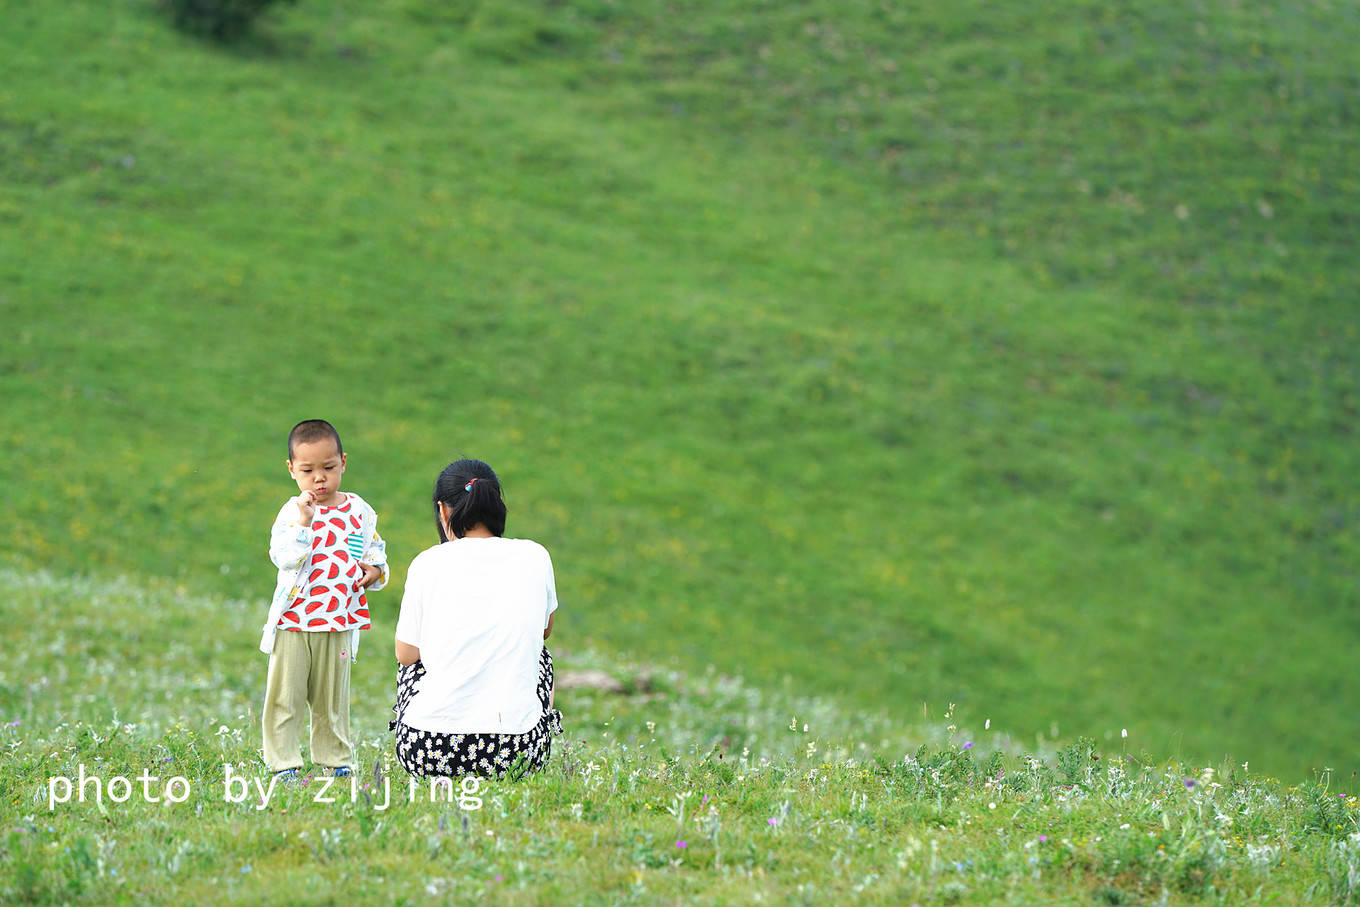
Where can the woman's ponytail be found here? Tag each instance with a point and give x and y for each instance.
(471, 493)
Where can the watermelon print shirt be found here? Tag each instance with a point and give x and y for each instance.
(319, 567)
(326, 597)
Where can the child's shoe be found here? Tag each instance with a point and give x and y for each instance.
(287, 776)
(343, 772)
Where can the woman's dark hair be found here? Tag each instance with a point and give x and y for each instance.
(468, 506)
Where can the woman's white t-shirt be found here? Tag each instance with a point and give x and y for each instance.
(476, 608)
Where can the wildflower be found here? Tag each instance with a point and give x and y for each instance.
(1124, 732)
(968, 745)
(681, 844)
(1043, 839)
(773, 820)
(1189, 783)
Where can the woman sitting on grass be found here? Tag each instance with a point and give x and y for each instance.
(475, 690)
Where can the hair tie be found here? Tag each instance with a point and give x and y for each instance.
(468, 486)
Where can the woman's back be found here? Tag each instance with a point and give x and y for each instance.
(476, 608)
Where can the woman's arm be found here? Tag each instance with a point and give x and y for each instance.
(408, 618)
(408, 654)
(550, 588)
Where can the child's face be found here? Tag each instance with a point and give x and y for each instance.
(317, 467)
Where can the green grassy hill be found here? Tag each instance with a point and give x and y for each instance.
(914, 354)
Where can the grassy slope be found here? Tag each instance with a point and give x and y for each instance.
(801, 814)
(862, 346)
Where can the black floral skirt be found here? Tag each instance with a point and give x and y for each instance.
(493, 755)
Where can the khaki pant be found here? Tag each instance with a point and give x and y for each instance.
(307, 668)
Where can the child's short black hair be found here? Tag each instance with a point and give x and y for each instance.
(310, 430)
(471, 491)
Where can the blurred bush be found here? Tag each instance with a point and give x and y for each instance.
(222, 20)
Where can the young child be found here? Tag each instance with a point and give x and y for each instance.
(326, 545)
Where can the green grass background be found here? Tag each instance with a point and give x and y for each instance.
(900, 353)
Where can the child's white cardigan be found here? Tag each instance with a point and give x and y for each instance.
(289, 547)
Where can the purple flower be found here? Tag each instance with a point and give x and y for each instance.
(1189, 782)
(968, 745)
(499, 877)
(1043, 839)
(681, 844)
(773, 820)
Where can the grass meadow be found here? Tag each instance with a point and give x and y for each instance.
(853, 360)
(681, 788)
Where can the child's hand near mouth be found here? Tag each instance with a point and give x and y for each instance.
(306, 504)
